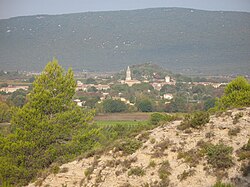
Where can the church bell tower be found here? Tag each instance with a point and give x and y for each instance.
(128, 74)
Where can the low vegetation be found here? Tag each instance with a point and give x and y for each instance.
(220, 184)
(237, 117)
(219, 156)
(186, 174)
(128, 146)
(164, 172)
(195, 120)
(157, 118)
(191, 157)
(138, 171)
(234, 131)
(244, 152)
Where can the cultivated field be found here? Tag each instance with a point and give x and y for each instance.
(138, 116)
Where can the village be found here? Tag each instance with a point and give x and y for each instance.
(161, 89)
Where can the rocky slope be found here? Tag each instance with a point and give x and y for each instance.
(167, 157)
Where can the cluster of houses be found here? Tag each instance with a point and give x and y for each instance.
(84, 87)
(11, 88)
(157, 85)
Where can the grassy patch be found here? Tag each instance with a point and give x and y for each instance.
(119, 122)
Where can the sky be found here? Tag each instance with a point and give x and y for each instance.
(13, 8)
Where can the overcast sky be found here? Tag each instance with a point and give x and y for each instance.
(12, 8)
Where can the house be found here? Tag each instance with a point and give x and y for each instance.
(168, 96)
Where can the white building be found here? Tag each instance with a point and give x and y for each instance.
(167, 79)
(168, 96)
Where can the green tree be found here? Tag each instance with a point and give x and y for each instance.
(110, 105)
(209, 103)
(168, 89)
(92, 89)
(17, 98)
(143, 87)
(91, 81)
(236, 94)
(145, 105)
(52, 90)
(44, 128)
(179, 104)
(91, 101)
(4, 112)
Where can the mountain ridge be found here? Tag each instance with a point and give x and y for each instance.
(179, 39)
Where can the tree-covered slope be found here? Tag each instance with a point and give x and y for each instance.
(176, 38)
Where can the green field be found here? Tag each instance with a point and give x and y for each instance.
(117, 122)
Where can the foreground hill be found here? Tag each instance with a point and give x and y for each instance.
(179, 39)
(169, 157)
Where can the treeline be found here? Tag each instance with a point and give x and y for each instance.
(143, 97)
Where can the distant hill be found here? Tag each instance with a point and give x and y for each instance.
(181, 40)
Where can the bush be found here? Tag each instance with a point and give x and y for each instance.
(244, 152)
(195, 120)
(219, 156)
(138, 171)
(192, 157)
(128, 146)
(156, 118)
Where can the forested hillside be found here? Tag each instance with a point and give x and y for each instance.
(186, 40)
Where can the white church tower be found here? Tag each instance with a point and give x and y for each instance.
(128, 74)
